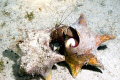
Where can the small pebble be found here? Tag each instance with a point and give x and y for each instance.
(101, 31)
(110, 12)
(79, 4)
(102, 3)
(0, 39)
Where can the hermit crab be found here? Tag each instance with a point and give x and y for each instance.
(74, 44)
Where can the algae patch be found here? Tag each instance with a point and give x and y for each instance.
(1, 65)
(5, 13)
(29, 16)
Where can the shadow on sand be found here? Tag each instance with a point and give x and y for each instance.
(87, 67)
(18, 74)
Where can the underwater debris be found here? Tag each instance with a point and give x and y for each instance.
(40, 9)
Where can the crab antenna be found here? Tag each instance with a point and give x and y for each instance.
(63, 15)
(61, 21)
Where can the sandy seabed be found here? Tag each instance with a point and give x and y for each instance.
(102, 16)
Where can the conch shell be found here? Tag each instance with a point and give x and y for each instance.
(37, 56)
(84, 53)
(79, 45)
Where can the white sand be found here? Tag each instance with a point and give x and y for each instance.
(102, 16)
